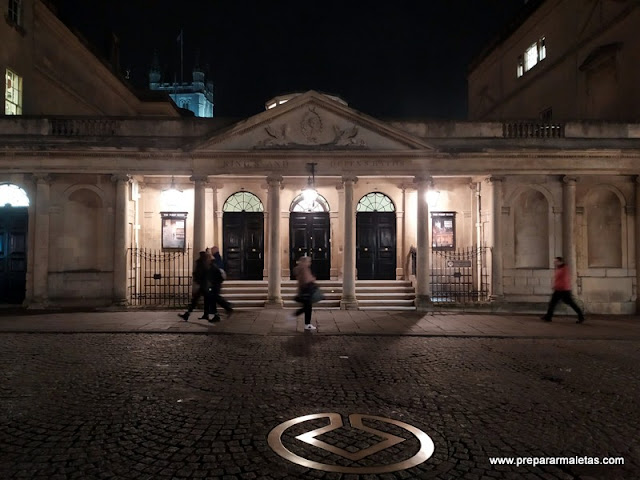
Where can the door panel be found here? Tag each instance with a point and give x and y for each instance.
(243, 245)
(376, 245)
(13, 254)
(309, 234)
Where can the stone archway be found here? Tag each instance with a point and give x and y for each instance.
(243, 236)
(376, 237)
(14, 221)
(310, 235)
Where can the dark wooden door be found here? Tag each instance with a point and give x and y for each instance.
(243, 245)
(13, 254)
(309, 234)
(376, 245)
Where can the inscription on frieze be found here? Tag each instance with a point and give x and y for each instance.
(364, 163)
(256, 164)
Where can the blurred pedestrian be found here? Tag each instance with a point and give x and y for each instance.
(562, 291)
(306, 288)
(200, 284)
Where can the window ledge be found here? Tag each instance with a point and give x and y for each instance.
(19, 28)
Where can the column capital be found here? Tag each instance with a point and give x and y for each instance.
(120, 177)
(199, 178)
(41, 178)
(423, 179)
(274, 180)
(349, 179)
(637, 179)
(494, 179)
(569, 180)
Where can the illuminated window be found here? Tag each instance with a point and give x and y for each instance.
(13, 195)
(536, 52)
(299, 204)
(375, 202)
(14, 15)
(13, 94)
(520, 65)
(531, 57)
(243, 202)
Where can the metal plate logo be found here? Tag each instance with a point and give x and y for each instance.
(356, 421)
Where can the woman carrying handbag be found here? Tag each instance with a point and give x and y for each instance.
(308, 292)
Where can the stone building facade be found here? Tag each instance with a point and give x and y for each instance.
(87, 189)
(563, 60)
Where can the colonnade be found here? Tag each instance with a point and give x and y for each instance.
(40, 225)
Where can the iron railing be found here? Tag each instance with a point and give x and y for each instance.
(160, 278)
(460, 276)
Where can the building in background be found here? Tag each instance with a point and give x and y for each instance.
(196, 96)
(562, 60)
(106, 196)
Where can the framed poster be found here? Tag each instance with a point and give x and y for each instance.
(443, 230)
(174, 230)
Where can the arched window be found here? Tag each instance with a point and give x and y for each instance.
(299, 204)
(13, 195)
(243, 202)
(375, 202)
(531, 230)
(604, 229)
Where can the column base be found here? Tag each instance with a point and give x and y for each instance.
(119, 304)
(274, 303)
(496, 298)
(424, 303)
(349, 304)
(39, 304)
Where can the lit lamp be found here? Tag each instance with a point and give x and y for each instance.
(432, 197)
(310, 194)
(172, 195)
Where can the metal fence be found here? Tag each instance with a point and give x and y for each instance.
(460, 276)
(159, 278)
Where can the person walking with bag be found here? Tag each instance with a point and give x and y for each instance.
(562, 291)
(306, 289)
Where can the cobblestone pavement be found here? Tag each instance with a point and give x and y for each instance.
(150, 406)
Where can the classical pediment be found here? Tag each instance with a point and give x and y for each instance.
(311, 121)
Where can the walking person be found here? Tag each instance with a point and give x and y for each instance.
(216, 276)
(200, 279)
(562, 291)
(306, 287)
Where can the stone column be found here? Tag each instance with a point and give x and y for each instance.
(423, 268)
(274, 298)
(349, 301)
(199, 214)
(497, 252)
(41, 244)
(120, 240)
(216, 228)
(569, 226)
(637, 242)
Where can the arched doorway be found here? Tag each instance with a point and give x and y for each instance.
(309, 235)
(376, 237)
(243, 236)
(13, 243)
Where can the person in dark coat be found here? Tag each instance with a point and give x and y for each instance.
(215, 278)
(200, 280)
(562, 291)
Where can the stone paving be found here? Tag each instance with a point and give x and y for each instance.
(177, 405)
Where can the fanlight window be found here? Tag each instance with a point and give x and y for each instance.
(375, 202)
(299, 204)
(243, 202)
(13, 195)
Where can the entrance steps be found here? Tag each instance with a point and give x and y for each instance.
(371, 294)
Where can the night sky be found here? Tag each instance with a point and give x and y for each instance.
(398, 59)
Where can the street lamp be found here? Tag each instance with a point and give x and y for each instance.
(310, 194)
(172, 195)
